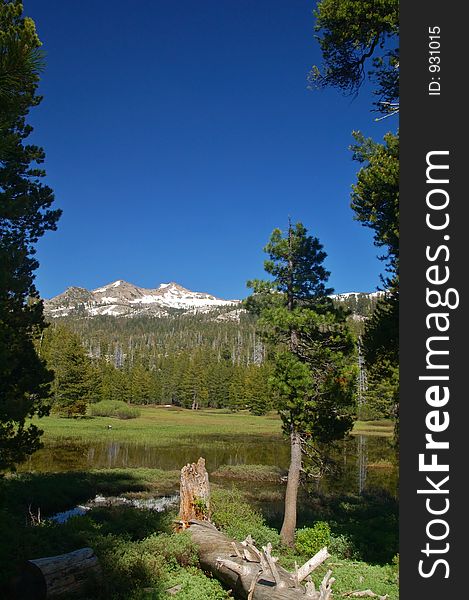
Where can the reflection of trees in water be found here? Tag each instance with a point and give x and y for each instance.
(362, 462)
(348, 469)
(350, 473)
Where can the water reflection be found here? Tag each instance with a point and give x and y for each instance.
(362, 463)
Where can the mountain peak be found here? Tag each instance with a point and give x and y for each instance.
(120, 283)
(121, 298)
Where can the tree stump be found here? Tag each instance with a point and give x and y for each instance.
(63, 576)
(195, 493)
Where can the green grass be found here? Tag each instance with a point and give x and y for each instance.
(161, 426)
(140, 556)
(113, 408)
(237, 519)
(383, 428)
(49, 493)
(250, 472)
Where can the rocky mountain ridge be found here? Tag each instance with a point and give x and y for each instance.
(123, 299)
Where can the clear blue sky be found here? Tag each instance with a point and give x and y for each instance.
(179, 133)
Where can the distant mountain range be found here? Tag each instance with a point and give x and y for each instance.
(123, 299)
(120, 298)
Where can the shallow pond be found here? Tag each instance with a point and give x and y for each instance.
(362, 463)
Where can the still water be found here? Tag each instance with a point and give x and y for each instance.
(362, 463)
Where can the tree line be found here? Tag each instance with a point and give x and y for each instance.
(190, 360)
(203, 376)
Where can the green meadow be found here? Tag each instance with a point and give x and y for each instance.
(162, 426)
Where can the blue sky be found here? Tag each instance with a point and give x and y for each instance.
(178, 134)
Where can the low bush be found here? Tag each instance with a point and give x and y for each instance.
(175, 549)
(310, 540)
(235, 517)
(343, 547)
(114, 408)
(192, 584)
(129, 522)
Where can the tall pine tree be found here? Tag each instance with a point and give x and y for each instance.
(313, 373)
(74, 377)
(25, 215)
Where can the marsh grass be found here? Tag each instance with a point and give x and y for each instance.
(383, 427)
(237, 519)
(142, 558)
(163, 425)
(139, 554)
(113, 408)
(48, 493)
(160, 426)
(266, 473)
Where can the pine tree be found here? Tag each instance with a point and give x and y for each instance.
(72, 387)
(141, 384)
(353, 34)
(25, 216)
(257, 392)
(313, 373)
(375, 201)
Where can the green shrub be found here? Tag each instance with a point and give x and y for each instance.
(195, 586)
(310, 540)
(342, 546)
(126, 568)
(250, 472)
(114, 408)
(129, 522)
(234, 516)
(175, 549)
(127, 412)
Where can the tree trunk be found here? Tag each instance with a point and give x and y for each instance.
(63, 576)
(195, 493)
(287, 533)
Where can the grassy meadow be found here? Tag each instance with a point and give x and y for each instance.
(162, 425)
(140, 555)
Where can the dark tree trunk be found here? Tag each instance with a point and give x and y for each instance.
(287, 533)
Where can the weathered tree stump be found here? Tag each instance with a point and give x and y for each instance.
(195, 493)
(63, 576)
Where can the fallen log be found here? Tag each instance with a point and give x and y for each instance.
(250, 573)
(253, 574)
(63, 576)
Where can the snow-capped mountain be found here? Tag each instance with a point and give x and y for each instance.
(345, 295)
(121, 298)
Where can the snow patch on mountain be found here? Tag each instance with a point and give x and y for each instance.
(349, 294)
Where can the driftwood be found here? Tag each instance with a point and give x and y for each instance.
(63, 576)
(253, 574)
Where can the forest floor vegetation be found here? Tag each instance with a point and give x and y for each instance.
(141, 556)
